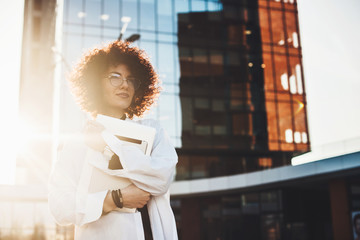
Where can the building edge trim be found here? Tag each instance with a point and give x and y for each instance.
(265, 177)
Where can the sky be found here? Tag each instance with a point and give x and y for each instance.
(330, 43)
(330, 39)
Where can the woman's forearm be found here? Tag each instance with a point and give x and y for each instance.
(133, 197)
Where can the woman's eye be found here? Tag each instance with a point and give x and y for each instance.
(114, 77)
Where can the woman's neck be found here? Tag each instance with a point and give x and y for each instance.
(115, 113)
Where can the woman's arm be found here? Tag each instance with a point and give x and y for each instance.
(133, 197)
(71, 205)
(154, 173)
(67, 202)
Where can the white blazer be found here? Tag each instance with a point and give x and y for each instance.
(70, 203)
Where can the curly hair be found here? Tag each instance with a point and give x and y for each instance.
(85, 78)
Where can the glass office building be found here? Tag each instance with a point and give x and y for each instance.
(233, 103)
(233, 98)
(233, 95)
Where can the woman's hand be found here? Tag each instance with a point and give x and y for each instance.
(92, 135)
(134, 197)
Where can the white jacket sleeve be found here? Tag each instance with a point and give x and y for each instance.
(153, 173)
(68, 204)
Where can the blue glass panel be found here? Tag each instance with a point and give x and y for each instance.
(93, 12)
(147, 16)
(151, 36)
(214, 5)
(198, 6)
(170, 88)
(111, 33)
(152, 113)
(166, 62)
(165, 38)
(181, 7)
(129, 9)
(150, 49)
(72, 28)
(93, 31)
(91, 42)
(75, 10)
(72, 48)
(164, 11)
(107, 40)
(112, 9)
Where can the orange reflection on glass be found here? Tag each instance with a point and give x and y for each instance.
(268, 72)
(285, 125)
(272, 125)
(281, 73)
(264, 25)
(265, 162)
(277, 27)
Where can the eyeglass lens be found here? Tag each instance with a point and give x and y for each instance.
(117, 80)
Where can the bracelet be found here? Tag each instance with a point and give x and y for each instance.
(117, 198)
(120, 198)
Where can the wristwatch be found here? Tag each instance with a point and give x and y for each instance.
(107, 152)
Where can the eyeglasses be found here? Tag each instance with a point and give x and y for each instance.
(117, 80)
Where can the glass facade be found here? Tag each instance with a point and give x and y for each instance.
(299, 211)
(26, 219)
(233, 102)
(233, 97)
(253, 215)
(283, 81)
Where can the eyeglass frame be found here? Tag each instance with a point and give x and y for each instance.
(123, 79)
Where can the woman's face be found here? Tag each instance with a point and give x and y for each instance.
(117, 98)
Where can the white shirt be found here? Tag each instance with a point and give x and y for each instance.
(70, 203)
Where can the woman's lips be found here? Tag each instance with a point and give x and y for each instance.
(123, 95)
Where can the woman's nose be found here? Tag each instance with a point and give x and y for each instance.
(125, 84)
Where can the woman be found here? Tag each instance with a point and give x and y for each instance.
(118, 81)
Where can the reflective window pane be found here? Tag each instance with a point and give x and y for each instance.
(164, 14)
(93, 12)
(130, 10)
(112, 14)
(147, 16)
